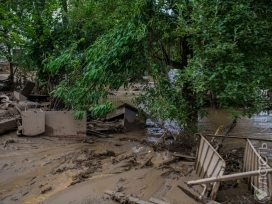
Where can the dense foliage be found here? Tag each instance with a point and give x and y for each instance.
(219, 47)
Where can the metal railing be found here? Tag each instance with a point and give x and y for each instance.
(254, 160)
(209, 163)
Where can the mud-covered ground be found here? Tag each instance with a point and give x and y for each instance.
(58, 170)
(54, 170)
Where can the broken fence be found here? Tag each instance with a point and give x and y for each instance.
(256, 160)
(209, 163)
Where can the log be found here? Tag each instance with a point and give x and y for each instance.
(183, 156)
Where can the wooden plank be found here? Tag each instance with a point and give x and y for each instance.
(116, 113)
(183, 156)
(28, 88)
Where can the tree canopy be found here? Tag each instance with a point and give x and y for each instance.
(215, 46)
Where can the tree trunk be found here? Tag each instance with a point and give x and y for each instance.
(11, 70)
(191, 126)
(65, 9)
(11, 76)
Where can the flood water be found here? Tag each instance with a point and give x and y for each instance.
(259, 125)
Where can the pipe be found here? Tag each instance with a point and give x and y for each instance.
(235, 137)
(203, 192)
(229, 177)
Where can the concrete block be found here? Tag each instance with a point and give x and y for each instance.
(7, 124)
(62, 123)
(19, 96)
(33, 122)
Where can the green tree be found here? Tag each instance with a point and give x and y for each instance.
(219, 46)
(10, 34)
(25, 26)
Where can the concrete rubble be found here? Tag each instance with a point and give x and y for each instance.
(124, 119)
(32, 118)
(32, 115)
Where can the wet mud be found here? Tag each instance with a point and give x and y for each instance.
(58, 170)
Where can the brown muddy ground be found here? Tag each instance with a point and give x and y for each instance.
(53, 170)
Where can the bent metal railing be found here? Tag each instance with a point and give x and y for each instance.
(257, 160)
(209, 163)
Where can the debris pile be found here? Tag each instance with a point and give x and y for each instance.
(32, 115)
(124, 119)
(106, 126)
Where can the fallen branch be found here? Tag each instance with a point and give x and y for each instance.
(98, 134)
(147, 163)
(183, 156)
(163, 135)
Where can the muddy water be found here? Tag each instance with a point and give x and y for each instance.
(259, 125)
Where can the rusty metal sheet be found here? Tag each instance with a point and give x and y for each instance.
(33, 122)
(62, 123)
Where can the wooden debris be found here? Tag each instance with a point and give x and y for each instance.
(169, 161)
(162, 137)
(212, 202)
(28, 89)
(157, 201)
(98, 134)
(106, 126)
(47, 189)
(187, 192)
(183, 156)
(147, 162)
(122, 198)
